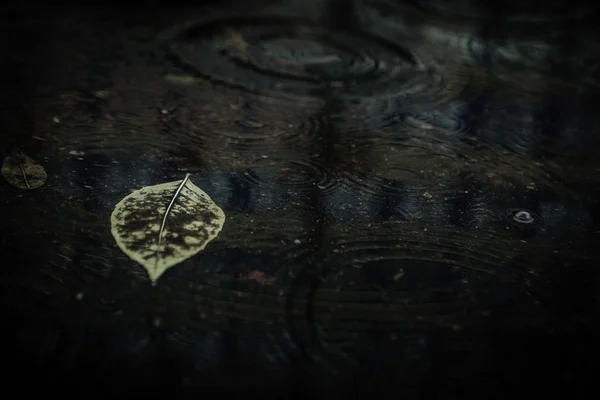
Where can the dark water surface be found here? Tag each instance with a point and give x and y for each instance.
(411, 192)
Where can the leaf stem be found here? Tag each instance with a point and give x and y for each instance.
(23, 170)
(167, 211)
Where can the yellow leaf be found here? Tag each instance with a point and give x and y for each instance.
(160, 226)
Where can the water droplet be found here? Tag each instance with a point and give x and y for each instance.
(523, 217)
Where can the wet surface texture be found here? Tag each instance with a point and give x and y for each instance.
(410, 190)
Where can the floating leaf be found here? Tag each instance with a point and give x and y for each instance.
(22, 172)
(160, 226)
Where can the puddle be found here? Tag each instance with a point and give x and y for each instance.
(407, 193)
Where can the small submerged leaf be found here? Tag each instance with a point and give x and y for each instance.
(182, 79)
(23, 172)
(160, 226)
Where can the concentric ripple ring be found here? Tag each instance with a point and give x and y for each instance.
(291, 57)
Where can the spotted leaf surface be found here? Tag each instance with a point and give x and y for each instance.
(160, 226)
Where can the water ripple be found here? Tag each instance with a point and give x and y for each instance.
(293, 174)
(295, 57)
(401, 166)
(246, 126)
(401, 283)
(425, 119)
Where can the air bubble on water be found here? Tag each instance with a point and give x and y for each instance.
(523, 217)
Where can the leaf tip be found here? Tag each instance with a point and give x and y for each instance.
(154, 274)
